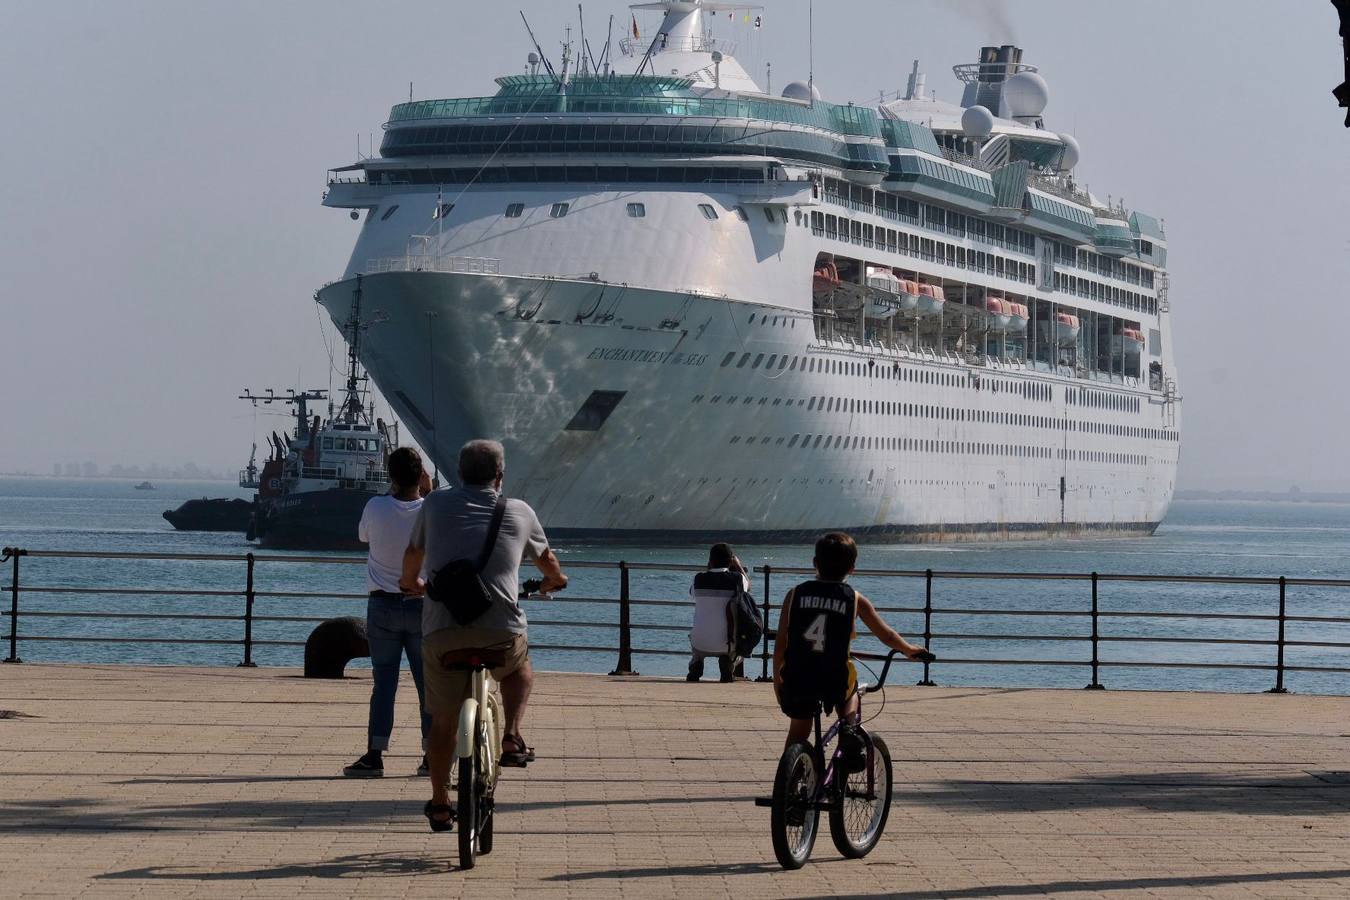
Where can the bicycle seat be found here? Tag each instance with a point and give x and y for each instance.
(474, 658)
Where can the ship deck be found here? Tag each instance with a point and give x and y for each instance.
(221, 782)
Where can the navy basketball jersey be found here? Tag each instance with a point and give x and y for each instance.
(820, 632)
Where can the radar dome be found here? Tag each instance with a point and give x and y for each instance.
(1072, 153)
(1026, 95)
(977, 122)
(800, 90)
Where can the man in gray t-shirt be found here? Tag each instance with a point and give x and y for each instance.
(451, 525)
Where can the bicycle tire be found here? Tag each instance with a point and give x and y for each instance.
(470, 788)
(854, 836)
(794, 797)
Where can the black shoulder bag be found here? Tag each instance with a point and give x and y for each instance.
(459, 586)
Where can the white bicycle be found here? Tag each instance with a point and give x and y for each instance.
(481, 722)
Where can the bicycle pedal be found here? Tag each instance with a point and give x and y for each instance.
(764, 801)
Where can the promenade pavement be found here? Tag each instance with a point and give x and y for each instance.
(122, 781)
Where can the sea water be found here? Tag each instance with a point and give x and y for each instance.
(1219, 538)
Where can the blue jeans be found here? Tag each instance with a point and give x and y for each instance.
(393, 627)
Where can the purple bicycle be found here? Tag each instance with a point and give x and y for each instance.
(852, 784)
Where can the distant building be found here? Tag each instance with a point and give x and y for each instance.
(90, 470)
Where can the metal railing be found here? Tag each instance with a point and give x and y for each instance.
(427, 262)
(941, 624)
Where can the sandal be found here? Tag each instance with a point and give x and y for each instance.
(431, 810)
(519, 757)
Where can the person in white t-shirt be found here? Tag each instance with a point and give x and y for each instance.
(393, 621)
(711, 633)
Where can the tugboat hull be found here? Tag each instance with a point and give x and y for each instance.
(211, 515)
(312, 520)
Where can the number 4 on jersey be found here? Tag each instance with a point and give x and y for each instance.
(816, 634)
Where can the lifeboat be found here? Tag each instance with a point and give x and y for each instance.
(1018, 316)
(825, 279)
(998, 311)
(1130, 343)
(1066, 329)
(883, 290)
(931, 300)
(909, 292)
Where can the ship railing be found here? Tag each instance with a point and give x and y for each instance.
(692, 44)
(461, 265)
(261, 606)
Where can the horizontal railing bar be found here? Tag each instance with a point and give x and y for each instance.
(310, 595)
(155, 592)
(290, 618)
(99, 554)
(122, 640)
(1070, 576)
(53, 614)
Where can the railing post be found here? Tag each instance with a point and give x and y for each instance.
(248, 662)
(927, 624)
(764, 652)
(14, 553)
(625, 665)
(1095, 685)
(1279, 687)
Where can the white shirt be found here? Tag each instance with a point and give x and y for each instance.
(386, 524)
(709, 633)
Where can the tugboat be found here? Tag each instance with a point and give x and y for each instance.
(312, 490)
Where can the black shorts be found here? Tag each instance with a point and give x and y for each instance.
(801, 702)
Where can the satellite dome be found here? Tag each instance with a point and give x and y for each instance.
(1026, 95)
(1072, 152)
(977, 122)
(800, 90)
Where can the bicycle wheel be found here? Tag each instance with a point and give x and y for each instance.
(794, 814)
(470, 791)
(857, 821)
(486, 802)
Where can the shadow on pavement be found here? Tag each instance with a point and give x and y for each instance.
(362, 865)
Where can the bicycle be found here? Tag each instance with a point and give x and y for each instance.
(858, 802)
(479, 738)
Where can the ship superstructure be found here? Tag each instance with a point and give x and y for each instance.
(693, 310)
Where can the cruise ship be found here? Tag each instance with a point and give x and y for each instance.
(694, 309)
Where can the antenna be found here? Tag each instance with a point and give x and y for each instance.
(548, 66)
(811, 53)
(604, 55)
(585, 45)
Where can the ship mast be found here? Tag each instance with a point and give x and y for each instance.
(353, 406)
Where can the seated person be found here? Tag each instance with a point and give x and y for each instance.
(713, 628)
(811, 664)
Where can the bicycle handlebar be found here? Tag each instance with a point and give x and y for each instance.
(926, 657)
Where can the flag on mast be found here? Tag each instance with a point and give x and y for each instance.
(636, 36)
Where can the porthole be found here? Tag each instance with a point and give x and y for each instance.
(637, 210)
(559, 210)
(514, 210)
(708, 211)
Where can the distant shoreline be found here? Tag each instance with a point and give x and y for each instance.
(1267, 496)
(223, 479)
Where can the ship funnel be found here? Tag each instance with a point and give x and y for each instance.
(997, 65)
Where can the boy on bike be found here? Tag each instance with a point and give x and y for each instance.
(811, 664)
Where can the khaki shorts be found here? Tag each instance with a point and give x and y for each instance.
(446, 688)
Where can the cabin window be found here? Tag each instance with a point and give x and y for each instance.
(741, 214)
(328, 443)
(637, 210)
(442, 210)
(707, 210)
(768, 214)
(559, 210)
(389, 212)
(514, 210)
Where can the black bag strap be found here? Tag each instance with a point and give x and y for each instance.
(498, 513)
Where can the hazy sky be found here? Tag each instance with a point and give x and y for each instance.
(163, 164)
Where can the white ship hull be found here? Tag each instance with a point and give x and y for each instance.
(886, 444)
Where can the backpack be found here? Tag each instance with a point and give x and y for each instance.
(747, 628)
